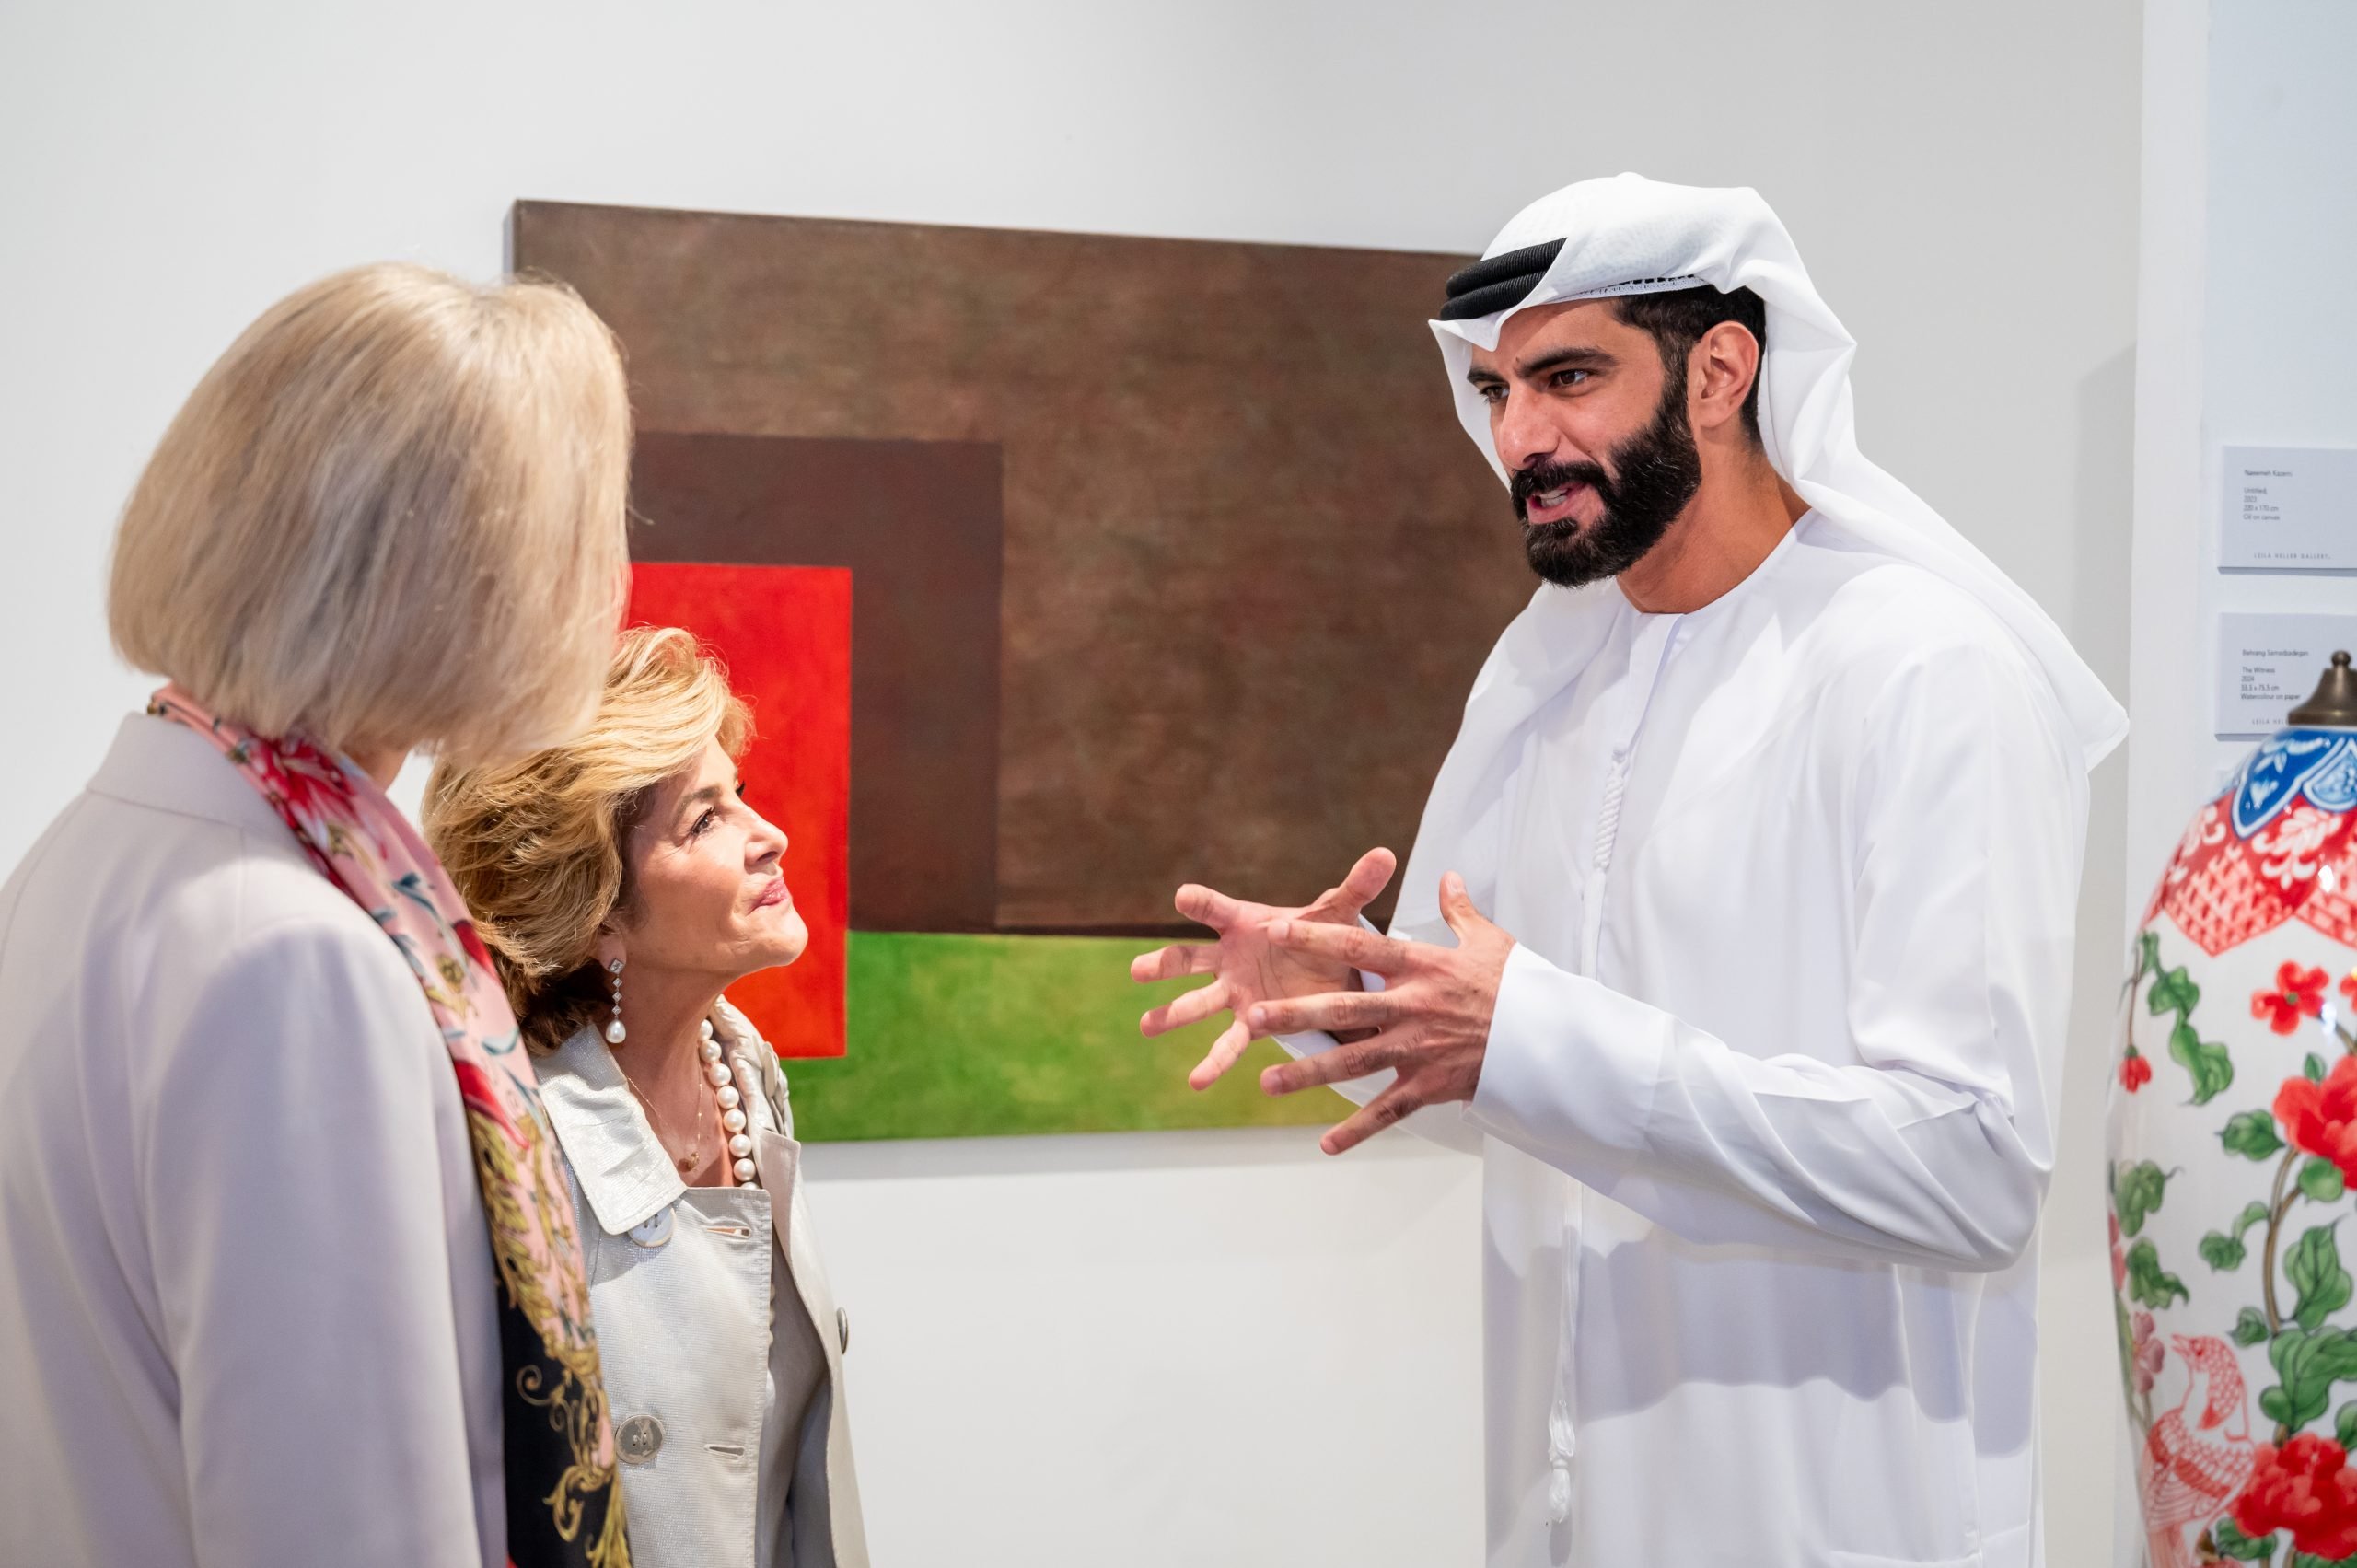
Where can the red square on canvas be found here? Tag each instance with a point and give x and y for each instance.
(784, 632)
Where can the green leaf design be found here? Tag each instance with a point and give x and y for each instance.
(2223, 1250)
(2308, 1362)
(2344, 1426)
(2148, 951)
(2251, 1133)
(2175, 992)
(2250, 1328)
(2212, 1068)
(2148, 1283)
(2310, 1560)
(2316, 1272)
(2313, 1068)
(2236, 1547)
(2137, 1192)
(2223, 1253)
(2321, 1180)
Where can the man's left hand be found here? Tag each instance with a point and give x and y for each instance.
(1431, 1020)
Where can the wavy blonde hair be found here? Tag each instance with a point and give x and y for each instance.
(537, 847)
(390, 516)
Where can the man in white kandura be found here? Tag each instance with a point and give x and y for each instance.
(1777, 792)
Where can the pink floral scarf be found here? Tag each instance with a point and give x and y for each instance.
(563, 1508)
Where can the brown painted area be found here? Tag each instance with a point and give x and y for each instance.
(918, 524)
(1251, 564)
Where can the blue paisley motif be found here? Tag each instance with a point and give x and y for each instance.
(2319, 763)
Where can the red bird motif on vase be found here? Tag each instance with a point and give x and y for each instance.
(2198, 1456)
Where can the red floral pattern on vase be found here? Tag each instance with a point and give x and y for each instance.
(2134, 1070)
(2223, 890)
(2150, 1355)
(2298, 993)
(2321, 1119)
(2307, 1488)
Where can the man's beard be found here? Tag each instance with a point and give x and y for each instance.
(1659, 471)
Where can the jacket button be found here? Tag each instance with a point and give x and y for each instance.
(842, 1329)
(638, 1439)
(653, 1230)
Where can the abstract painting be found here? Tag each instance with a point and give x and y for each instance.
(1167, 562)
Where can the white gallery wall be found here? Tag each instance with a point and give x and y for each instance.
(1164, 1349)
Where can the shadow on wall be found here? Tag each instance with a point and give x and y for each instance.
(2080, 1396)
(2102, 499)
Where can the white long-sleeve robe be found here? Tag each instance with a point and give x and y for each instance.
(1764, 1113)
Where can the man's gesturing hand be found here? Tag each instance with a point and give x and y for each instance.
(1249, 968)
(1431, 1020)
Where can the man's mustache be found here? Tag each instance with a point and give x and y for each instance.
(1540, 478)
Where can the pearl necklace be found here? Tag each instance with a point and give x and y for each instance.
(723, 1080)
(732, 1115)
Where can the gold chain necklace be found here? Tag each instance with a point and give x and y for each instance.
(691, 1161)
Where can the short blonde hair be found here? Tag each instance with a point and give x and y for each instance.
(390, 516)
(537, 846)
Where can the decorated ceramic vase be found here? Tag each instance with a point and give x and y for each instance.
(2233, 1160)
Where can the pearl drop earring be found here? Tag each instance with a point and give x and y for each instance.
(615, 1033)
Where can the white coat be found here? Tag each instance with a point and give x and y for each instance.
(246, 1309)
(680, 1289)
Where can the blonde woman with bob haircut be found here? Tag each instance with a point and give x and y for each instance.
(622, 883)
(286, 1270)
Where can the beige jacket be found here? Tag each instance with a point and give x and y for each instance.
(245, 1288)
(679, 1286)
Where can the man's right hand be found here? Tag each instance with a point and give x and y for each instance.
(1248, 968)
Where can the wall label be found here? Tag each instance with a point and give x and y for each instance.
(2288, 509)
(2268, 665)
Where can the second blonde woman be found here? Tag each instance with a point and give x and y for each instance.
(622, 883)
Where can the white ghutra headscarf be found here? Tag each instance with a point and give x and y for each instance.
(1629, 235)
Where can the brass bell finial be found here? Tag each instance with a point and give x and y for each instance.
(2334, 705)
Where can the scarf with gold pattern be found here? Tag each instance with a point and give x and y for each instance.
(563, 1508)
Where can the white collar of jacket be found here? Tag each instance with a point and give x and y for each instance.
(622, 1166)
(169, 767)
